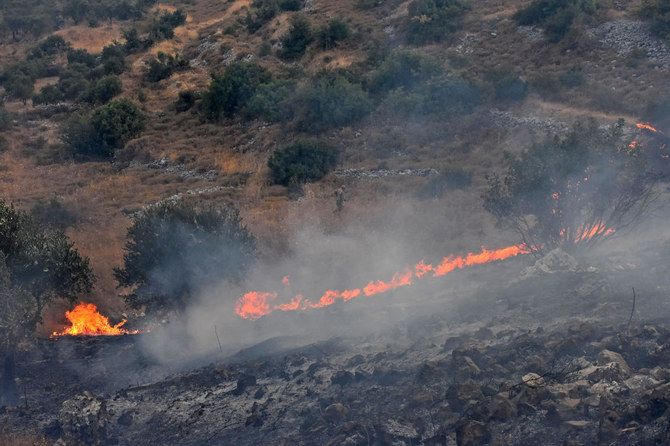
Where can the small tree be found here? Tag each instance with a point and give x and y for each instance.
(301, 161)
(230, 92)
(116, 123)
(433, 20)
(295, 41)
(173, 250)
(330, 34)
(572, 192)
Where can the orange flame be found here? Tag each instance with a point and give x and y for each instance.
(86, 321)
(646, 127)
(253, 305)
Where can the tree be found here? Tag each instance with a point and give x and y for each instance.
(295, 41)
(21, 87)
(102, 90)
(36, 266)
(174, 249)
(116, 123)
(230, 92)
(78, 10)
(572, 192)
(301, 161)
(433, 20)
(328, 35)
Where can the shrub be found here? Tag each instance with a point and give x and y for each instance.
(52, 214)
(433, 20)
(113, 59)
(556, 16)
(290, 5)
(506, 84)
(116, 123)
(5, 119)
(163, 27)
(403, 69)
(334, 31)
(230, 92)
(301, 161)
(330, 100)
(173, 250)
(572, 78)
(658, 11)
(163, 65)
(185, 100)
(81, 56)
(270, 102)
(295, 41)
(103, 90)
(571, 192)
(450, 96)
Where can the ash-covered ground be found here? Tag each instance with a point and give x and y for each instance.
(509, 353)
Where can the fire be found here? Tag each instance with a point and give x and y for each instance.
(254, 305)
(86, 321)
(647, 127)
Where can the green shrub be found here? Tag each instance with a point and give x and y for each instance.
(186, 100)
(295, 41)
(330, 100)
(163, 65)
(230, 92)
(290, 5)
(302, 161)
(433, 20)
(556, 16)
(658, 11)
(5, 119)
(334, 31)
(113, 59)
(450, 96)
(506, 84)
(403, 69)
(103, 90)
(270, 102)
(162, 28)
(81, 56)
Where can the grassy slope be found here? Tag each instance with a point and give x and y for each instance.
(100, 193)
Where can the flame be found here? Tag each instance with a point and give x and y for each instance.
(86, 321)
(647, 127)
(254, 305)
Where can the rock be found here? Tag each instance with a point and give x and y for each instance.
(641, 382)
(83, 420)
(429, 372)
(465, 368)
(568, 408)
(608, 357)
(575, 424)
(242, 383)
(342, 377)
(555, 261)
(396, 429)
(472, 433)
(501, 408)
(335, 413)
(461, 394)
(533, 380)
(608, 432)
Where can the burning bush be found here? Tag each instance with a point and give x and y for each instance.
(173, 249)
(572, 192)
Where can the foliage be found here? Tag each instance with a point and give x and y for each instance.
(173, 249)
(116, 123)
(572, 78)
(43, 263)
(334, 31)
(186, 99)
(230, 92)
(329, 100)
(163, 26)
(27, 16)
(271, 102)
(266, 10)
(81, 56)
(102, 90)
(658, 11)
(93, 11)
(163, 65)
(433, 20)
(20, 87)
(295, 41)
(556, 16)
(48, 48)
(113, 59)
(571, 192)
(301, 161)
(403, 69)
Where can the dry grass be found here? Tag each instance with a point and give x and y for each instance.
(91, 39)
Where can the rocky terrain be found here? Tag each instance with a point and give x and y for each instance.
(562, 354)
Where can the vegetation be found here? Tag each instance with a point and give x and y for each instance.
(266, 10)
(174, 249)
(658, 11)
(164, 65)
(434, 20)
(5, 119)
(108, 129)
(571, 192)
(330, 34)
(271, 101)
(556, 16)
(450, 178)
(36, 266)
(232, 90)
(301, 161)
(295, 41)
(27, 16)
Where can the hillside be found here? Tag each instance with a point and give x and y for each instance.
(354, 137)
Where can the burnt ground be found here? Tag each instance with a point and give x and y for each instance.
(546, 354)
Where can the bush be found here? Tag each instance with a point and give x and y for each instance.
(433, 20)
(230, 92)
(658, 11)
(173, 250)
(103, 90)
(572, 78)
(81, 56)
(328, 35)
(52, 214)
(186, 100)
(556, 16)
(296, 40)
(5, 119)
(113, 59)
(403, 69)
(163, 27)
(163, 65)
(507, 85)
(450, 96)
(301, 161)
(271, 101)
(330, 100)
(571, 192)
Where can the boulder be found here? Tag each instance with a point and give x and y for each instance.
(472, 433)
(83, 420)
(606, 357)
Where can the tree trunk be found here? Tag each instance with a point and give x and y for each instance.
(10, 393)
